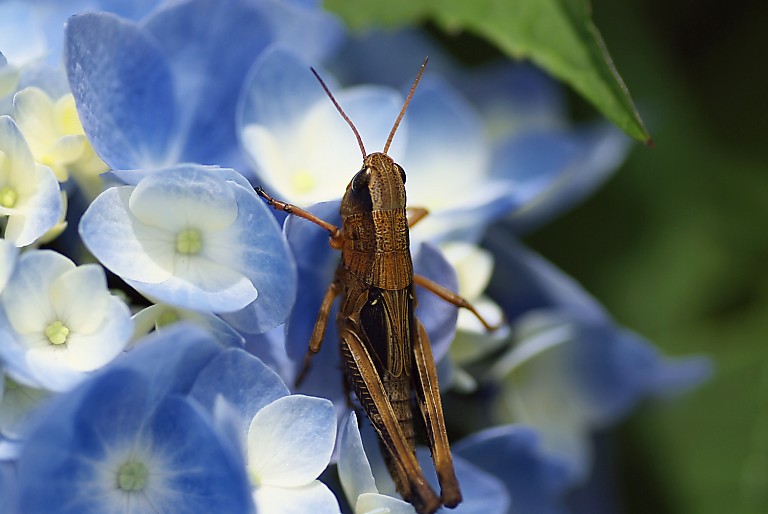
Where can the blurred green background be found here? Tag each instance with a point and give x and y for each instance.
(676, 247)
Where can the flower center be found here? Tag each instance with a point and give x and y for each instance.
(303, 181)
(189, 241)
(57, 332)
(8, 197)
(132, 476)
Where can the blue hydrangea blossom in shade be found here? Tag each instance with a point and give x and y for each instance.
(536, 483)
(159, 93)
(198, 238)
(369, 489)
(58, 321)
(29, 192)
(286, 440)
(572, 370)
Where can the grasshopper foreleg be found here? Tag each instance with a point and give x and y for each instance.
(336, 237)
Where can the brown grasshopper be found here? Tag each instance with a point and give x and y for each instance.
(384, 347)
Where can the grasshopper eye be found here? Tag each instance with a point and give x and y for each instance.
(402, 172)
(360, 180)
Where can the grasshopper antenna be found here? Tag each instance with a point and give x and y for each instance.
(341, 111)
(405, 105)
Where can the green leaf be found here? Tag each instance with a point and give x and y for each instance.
(557, 35)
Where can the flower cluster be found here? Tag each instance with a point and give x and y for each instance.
(148, 352)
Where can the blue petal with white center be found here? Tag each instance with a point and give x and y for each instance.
(299, 144)
(192, 237)
(126, 454)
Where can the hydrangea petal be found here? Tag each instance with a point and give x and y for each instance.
(354, 469)
(282, 120)
(111, 233)
(183, 197)
(314, 497)
(16, 404)
(9, 254)
(68, 149)
(290, 441)
(41, 210)
(124, 91)
(17, 156)
(304, 28)
(243, 380)
(445, 145)
(197, 36)
(555, 169)
(79, 297)
(511, 453)
(112, 417)
(92, 350)
(265, 258)
(26, 297)
(33, 112)
(375, 503)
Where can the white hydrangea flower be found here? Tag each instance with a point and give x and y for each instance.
(29, 192)
(474, 267)
(53, 130)
(58, 321)
(290, 442)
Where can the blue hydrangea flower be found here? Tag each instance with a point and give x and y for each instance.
(125, 454)
(287, 440)
(133, 441)
(370, 490)
(177, 96)
(303, 149)
(536, 482)
(59, 321)
(554, 165)
(572, 370)
(29, 192)
(197, 238)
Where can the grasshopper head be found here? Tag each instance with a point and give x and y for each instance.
(379, 185)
